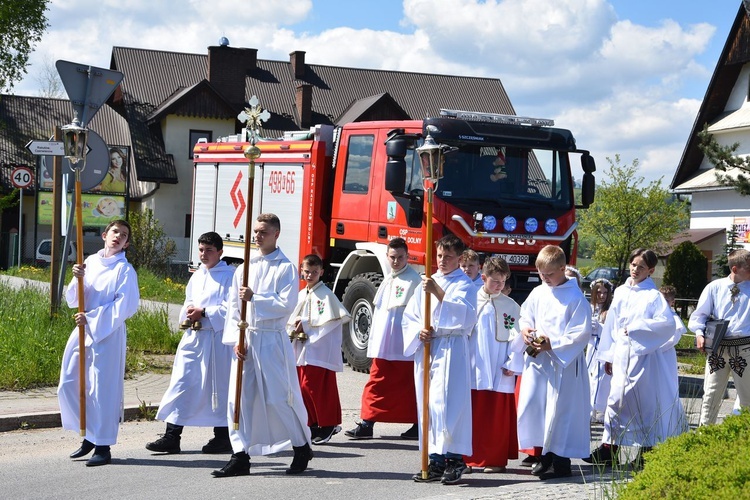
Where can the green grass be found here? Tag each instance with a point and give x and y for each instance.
(693, 361)
(152, 287)
(32, 343)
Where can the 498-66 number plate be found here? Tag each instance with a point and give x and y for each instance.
(513, 259)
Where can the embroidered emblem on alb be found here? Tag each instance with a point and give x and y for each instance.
(321, 306)
(508, 321)
(399, 291)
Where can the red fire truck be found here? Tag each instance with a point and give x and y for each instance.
(507, 189)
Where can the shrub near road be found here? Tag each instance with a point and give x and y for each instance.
(710, 462)
(31, 344)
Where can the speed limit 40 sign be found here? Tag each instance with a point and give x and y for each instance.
(21, 177)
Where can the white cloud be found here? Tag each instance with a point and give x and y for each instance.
(615, 83)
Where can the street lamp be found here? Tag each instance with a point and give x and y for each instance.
(431, 160)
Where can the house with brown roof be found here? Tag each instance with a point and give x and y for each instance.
(725, 110)
(168, 100)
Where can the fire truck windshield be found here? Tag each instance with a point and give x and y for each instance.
(504, 174)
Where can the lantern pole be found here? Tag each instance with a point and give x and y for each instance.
(75, 140)
(431, 160)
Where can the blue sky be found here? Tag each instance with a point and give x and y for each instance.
(627, 76)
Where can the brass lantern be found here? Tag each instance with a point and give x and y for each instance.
(431, 159)
(75, 139)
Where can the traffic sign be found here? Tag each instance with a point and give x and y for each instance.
(95, 168)
(88, 87)
(21, 177)
(46, 148)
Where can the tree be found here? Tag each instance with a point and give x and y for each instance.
(722, 260)
(22, 23)
(723, 159)
(48, 79)
(627, 215)
(687, 270)
(149, 246)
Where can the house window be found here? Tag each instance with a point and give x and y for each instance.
(194, 136)
(358, 161)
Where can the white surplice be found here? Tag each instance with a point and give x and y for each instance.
(386, 338)
(643, 407)
(496, 328)
(111, 296)
(272, 414)
(197, 392)
(322, 317)
(453, 318)
(554, 403)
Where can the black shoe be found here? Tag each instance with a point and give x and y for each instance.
(560, 468)
(603, 455)
(101, 456)
(434, 473)
(302, 455)
(165, 444)
(326, 433)
(85, 449)
(454, 469)
(239, 465)
(360, 432)
(543, 465)
(530, 461)
(412, 434)
(637, 463)
(217, 445)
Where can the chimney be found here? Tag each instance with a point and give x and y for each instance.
(297, 60)
(227, 68)
(304, 105)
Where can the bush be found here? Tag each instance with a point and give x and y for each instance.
(149, 246)
(710, 462)
(687, 270)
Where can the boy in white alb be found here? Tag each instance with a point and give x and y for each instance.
(471, 266)
(452, 318)
(493, 406)
(554, 403)
(389, 394)
(197, 392)
(272, 413)
(111, 295)
(315, 330)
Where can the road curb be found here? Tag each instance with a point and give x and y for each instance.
(49, 420)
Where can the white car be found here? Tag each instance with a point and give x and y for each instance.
(44, 253)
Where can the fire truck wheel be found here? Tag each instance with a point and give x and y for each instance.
(358, 298)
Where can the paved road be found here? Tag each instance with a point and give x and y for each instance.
(34, 463)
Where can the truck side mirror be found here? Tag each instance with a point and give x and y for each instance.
(587, 163)
(395, 168)
(587, 189)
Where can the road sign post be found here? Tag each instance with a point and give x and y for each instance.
(21, 178)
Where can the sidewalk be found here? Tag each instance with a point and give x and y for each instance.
(38, 408)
